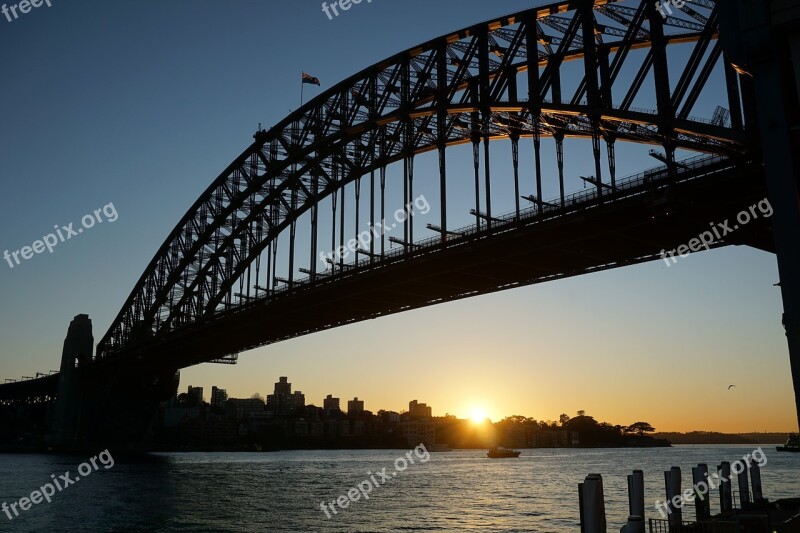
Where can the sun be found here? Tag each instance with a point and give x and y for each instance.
(477, 415)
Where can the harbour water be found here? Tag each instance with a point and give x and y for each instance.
(282, 491)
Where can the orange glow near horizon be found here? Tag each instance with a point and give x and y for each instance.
(637, 348)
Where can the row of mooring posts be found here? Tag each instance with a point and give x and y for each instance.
(592, 499)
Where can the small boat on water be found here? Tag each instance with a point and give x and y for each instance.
(792, 444)
(439, 448)
(502, 453)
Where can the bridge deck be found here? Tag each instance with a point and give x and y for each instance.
(644, 216)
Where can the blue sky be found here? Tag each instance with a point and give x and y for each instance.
(142, 104)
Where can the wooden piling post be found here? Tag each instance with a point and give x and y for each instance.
(636, 494)
(755, 477)
(672, 481)
(593, 507)
(702, 501)
(725, 493)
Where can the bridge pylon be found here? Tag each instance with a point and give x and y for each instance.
(762, 39)
(76, 355)
(102, 404)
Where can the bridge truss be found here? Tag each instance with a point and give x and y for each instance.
(569, 70)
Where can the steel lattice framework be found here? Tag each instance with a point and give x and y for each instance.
(498, 80)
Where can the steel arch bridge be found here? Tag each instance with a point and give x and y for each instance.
(241, 268)
(504, 79)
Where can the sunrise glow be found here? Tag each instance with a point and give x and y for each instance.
(477, 415)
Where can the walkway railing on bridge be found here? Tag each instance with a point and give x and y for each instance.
(725, 121)
(31, 378)
(689, 169)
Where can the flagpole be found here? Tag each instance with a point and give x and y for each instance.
(302, 87)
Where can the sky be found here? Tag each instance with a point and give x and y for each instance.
(136, 107)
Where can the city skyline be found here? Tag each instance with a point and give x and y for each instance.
(282, 390)
(476, 412)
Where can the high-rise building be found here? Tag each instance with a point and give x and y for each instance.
(283, 386)
(298, 400)
(282, 402)
(218, 397)
(355, 406)
(195, 395)
(418, 410)
(331, 405)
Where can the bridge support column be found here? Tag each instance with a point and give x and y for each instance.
(78, 348)
(758, 38)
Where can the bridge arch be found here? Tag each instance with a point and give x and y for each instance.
(465, 87)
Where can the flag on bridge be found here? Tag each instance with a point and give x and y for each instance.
(311, 80)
